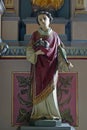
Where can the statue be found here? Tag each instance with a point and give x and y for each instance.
(3, 46)
(42, 52)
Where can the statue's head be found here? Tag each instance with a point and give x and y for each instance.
(48, 14)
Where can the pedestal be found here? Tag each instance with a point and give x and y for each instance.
(10, 28)
(45, 123)
(63, 126)
(79, 27)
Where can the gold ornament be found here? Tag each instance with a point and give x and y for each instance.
(48, 4)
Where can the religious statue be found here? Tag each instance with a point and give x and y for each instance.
(42, 52)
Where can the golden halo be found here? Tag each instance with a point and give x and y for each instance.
(48, 4)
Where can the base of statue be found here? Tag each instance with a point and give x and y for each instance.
(63, 126)
(45, 123)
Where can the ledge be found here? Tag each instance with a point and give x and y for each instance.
(16, 52)
(30, 20)
(80, 17)
(15, 18)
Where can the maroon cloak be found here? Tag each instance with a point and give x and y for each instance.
(46, 66)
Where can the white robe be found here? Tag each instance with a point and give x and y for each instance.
(48, 108)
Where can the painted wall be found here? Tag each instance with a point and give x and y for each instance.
(6, 69)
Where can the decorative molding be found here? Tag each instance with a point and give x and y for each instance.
(80, 4)
(12, 18)
(77, 52)
(15, 52)
(9, 4)
(80, 17)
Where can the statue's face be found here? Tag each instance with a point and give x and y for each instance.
(43, 21)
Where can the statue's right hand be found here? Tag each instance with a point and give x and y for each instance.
(39, 52)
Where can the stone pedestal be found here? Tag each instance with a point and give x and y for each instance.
(79, 27)
(10, 21)
(10, 28)
(45, 123)
(63, 126)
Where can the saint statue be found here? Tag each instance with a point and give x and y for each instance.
(43, 54)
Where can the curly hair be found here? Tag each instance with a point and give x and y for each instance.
(48, 14)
